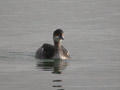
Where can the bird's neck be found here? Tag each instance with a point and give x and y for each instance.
(57, 44)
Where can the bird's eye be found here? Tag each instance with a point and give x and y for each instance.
(56, 35)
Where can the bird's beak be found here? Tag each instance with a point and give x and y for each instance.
(62, 37)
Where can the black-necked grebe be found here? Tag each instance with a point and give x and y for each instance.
(56, 51)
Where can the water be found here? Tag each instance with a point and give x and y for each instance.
(92, 37)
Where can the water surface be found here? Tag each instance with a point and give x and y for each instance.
(92, 37)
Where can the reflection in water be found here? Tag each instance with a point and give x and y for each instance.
(57, 85)
(55, 66)
(57, 80)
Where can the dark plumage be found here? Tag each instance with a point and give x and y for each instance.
(46, 51)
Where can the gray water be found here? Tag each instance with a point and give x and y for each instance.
(92, 37)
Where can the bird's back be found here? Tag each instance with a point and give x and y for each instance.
(48, 51)
(45, 52)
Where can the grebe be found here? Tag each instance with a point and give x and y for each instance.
(56, 51)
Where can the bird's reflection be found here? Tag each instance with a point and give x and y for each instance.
(56, 66)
